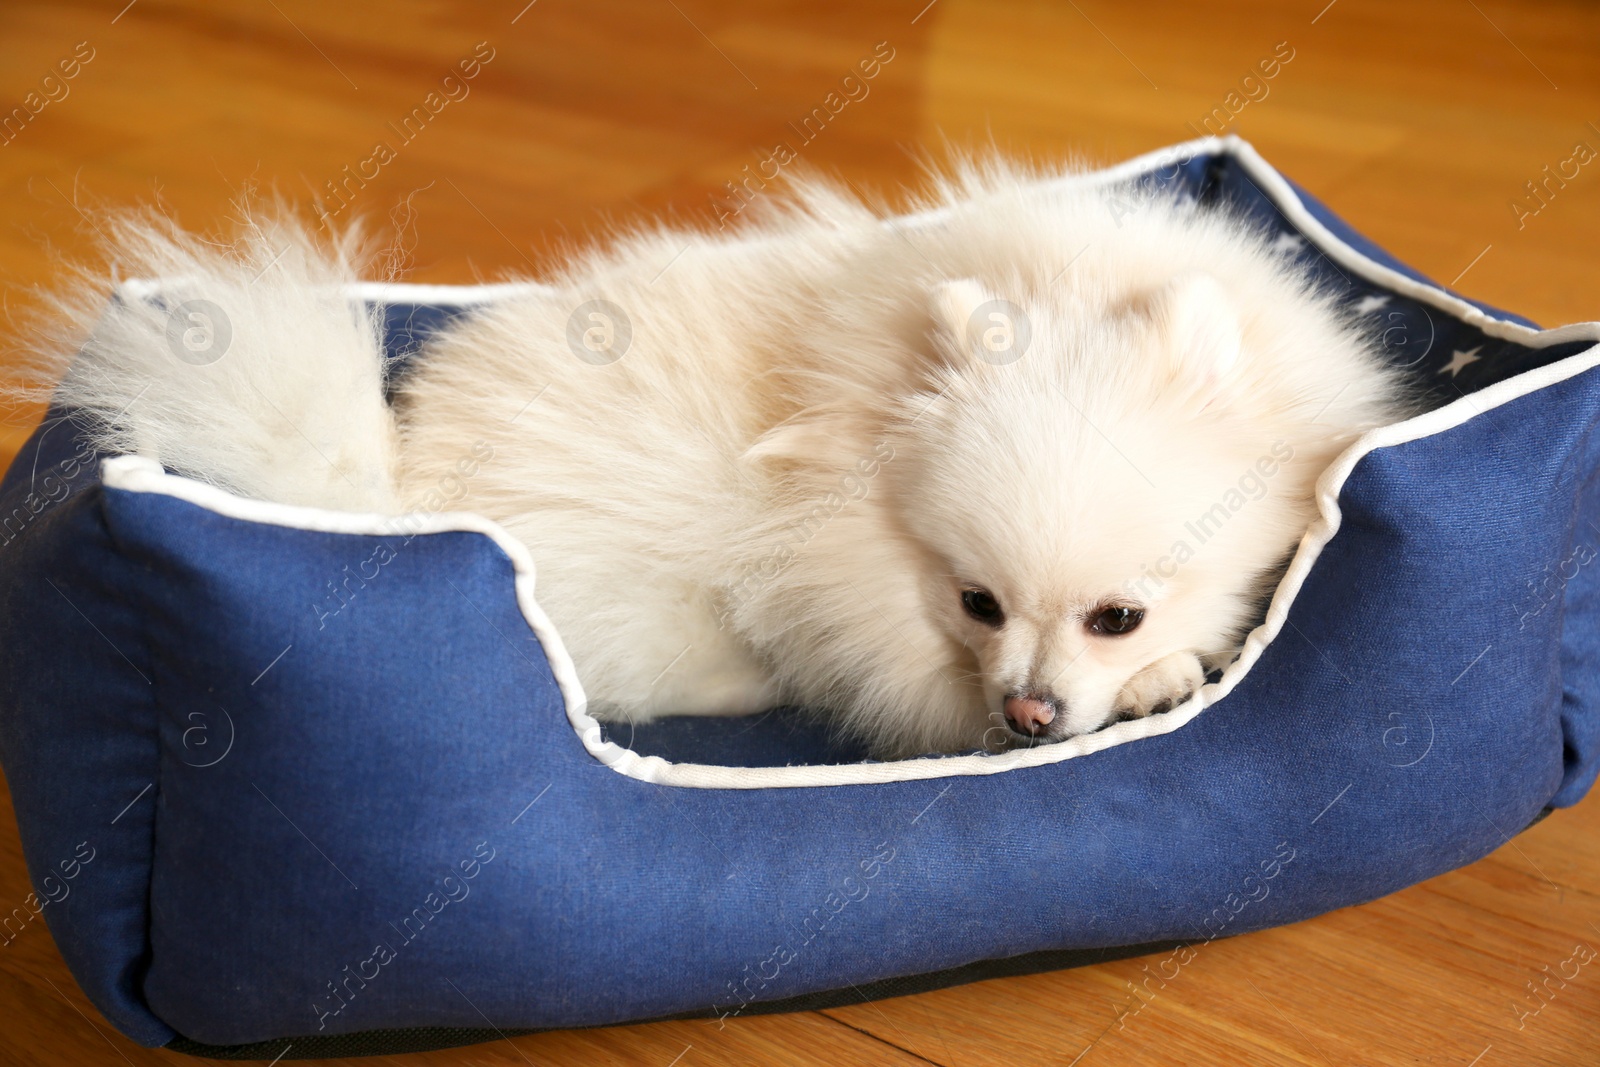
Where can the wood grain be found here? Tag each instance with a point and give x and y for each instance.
(1420, 123)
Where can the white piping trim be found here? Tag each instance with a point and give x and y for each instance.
(444, 295)
(138, 474)
(376, 292)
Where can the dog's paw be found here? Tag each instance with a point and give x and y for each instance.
(1162, 686)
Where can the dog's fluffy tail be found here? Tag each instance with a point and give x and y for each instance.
(245, 364)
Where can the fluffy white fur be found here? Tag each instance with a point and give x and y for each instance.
(279, 397)
(815, 440)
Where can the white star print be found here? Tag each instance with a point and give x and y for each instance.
(1288, 242)
(1459, 360)
(1369, 304)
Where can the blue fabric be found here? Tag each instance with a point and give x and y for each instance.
(380, 818)
(77, 722)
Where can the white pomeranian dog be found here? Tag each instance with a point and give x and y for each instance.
(997, 477)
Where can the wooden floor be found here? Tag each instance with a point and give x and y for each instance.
(1421, 123)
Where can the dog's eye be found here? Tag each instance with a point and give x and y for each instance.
(981, 605)
(1115, 622)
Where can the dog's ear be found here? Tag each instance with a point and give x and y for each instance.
(1202, 332)
(953, 306)
(970, 320)
(795, 439)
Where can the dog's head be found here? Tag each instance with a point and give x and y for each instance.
(1097, 497)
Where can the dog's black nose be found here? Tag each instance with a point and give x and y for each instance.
(1030, 713)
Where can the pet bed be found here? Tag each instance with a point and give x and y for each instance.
(339, 793)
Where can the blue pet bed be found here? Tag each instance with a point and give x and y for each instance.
(254, 821)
